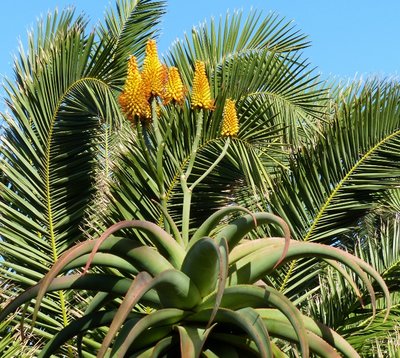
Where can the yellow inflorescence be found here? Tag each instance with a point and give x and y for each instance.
(201, 94)
(133, 100)
(153, 74)
(230, 121)
(175, 90)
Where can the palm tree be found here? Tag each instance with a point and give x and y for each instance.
(346, 192)
(72, 165)
(56, 141)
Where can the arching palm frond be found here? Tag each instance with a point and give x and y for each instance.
(258, 57)
(339, 179)
(336, 304)
(277, 100)
(56, 141)
(332, 186)
(124, 33)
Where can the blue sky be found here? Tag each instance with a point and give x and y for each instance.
(349, 37)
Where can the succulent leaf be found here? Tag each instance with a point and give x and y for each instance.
(239, 228)
(139, 286)
(202, 265)
(128, 335)
(213, 220)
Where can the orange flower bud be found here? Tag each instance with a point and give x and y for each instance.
(174, 90)
(201, 94)
(132, 99)
(153, 73)
(230, 121)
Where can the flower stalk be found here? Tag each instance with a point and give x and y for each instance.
(157, 85)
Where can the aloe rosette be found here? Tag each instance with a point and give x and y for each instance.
(201, 299)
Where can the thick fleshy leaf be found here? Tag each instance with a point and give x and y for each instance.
(322, 337)
(239, 228)
(131, 331)
(210, 224)
(140, 285)
(202, 265)
(192, 340)
(247, 320)
(145, 257)
(158, 237)
(242, 296)
(85, 323)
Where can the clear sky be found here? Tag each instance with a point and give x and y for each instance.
(349, 37)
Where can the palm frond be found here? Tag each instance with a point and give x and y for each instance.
(338, 180)
(56, 141)
(337, 306)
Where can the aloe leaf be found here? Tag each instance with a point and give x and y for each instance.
(161, 346)
(317, 344)
(146, 257)
(241, 296)
(254, 266)
(106, 260)
(318, 329)
(347, 277)
(223, 275)
(278, 353)
(248, 320)
(375, 274)
(248, 247)
(94, 305)
(147, 338)
(158, 237)
(202, 265)
(192, 340)
(239, 228)
(237, 343)
(139, 286)
(87, 322)
(130, 332)
(92, 282)
(176, 290)
(213, 220)
(252, 315)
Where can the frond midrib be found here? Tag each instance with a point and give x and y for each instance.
(51, 231)
(343, 181)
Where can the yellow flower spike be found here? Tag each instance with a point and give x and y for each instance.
(201, 94)
(175, 90)
(132, 100)
(230, 121)
(153, 74)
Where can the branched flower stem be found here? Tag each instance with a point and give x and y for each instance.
(187, 192)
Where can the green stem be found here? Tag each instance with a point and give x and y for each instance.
(187, 192)
(187, 199)
(213, 165)
(199, 127)
(145, 145)
(156, 123)
(160, 147)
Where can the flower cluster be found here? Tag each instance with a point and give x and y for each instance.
(156, 80)
(201, 94)
(230, 121)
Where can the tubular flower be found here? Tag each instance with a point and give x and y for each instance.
(132, 99)
(153, 74)
(201, 95)
(230, 121)
(175, 90)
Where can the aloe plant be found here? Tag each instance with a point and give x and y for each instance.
(164, 290)
(202, 297)
(236, 102)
